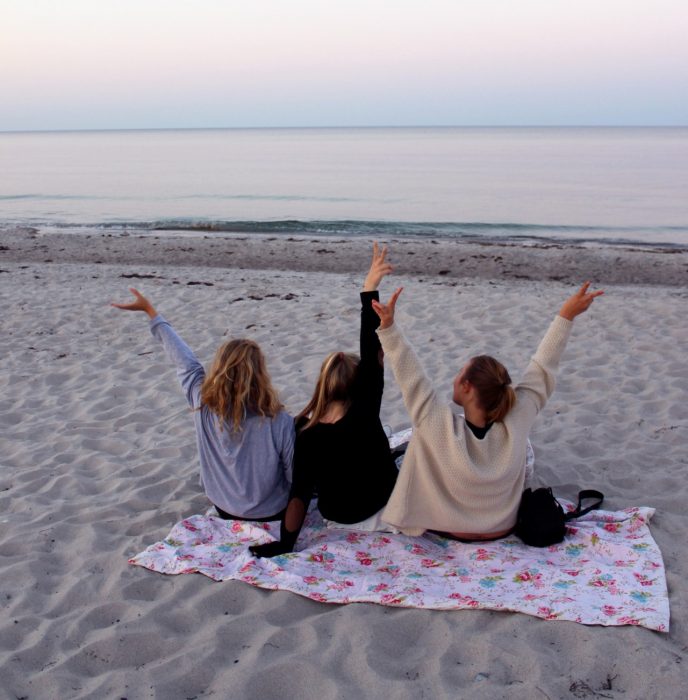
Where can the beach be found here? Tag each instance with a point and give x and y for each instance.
(98, 460)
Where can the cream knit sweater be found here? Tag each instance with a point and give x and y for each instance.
(450, 480)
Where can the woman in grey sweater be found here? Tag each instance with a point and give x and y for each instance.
(245, 439)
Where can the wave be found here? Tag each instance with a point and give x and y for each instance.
(666, 236)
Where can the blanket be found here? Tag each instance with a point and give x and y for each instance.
(608, 570)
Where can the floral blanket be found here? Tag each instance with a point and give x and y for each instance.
(608, 571)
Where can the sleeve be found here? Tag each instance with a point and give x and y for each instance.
(539, 377)
(302, 488)
(286, 446)
(419, 395)
(189, 370)
(299, 499)
(303, 475)
(370, 377)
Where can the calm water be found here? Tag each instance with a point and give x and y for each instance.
(596, 184)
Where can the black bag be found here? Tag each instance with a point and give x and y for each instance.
(541, 521)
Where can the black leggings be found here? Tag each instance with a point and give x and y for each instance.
(229, 516)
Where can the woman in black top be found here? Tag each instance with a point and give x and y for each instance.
(341, 450)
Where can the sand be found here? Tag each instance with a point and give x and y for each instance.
(97, 460)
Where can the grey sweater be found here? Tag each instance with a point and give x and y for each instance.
(247, 473)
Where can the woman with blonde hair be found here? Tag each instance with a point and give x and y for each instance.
(245, 438)
(341, 450)
(463, 475)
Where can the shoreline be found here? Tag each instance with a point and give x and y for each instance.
(450, 259)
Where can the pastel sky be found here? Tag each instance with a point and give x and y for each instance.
(93, 64)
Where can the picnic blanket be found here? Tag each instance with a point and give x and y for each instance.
(608, 570)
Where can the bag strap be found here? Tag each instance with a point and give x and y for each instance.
(584, 495)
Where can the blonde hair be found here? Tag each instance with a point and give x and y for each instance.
(335, 382)
(238, 382)
(493, 386)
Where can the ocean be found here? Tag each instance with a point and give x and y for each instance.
(606, 186)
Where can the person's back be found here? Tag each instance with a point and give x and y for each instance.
(247, 473)
(245, 439)
(464, 474)
(348, 462)
(341, 451)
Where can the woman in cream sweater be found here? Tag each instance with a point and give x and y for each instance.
(464, 475)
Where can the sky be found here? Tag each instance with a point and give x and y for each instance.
(116, 64)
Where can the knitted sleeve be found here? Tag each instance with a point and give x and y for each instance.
(539, 378)
(419, 396)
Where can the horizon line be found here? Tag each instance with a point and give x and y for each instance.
(341, 127)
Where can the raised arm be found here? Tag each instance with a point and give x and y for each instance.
(370, 376)
(189, 370)
(417, 390)
(539, 378)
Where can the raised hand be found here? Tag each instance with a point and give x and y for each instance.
(579, 302)
(386, 311)
(139, 304)
(378, 269)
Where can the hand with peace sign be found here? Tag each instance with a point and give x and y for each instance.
(579, 302)
(379, 267)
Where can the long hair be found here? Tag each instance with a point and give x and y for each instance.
(335, 382)
(492, 383)
(239, 382)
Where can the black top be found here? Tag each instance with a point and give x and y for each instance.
(480, 433)
(349, 463)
